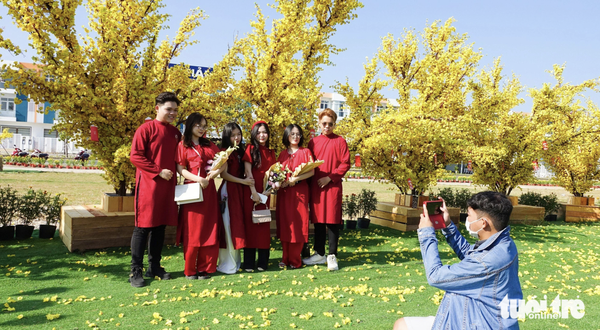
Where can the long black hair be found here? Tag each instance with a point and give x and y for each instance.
(194, 119)
(288, 131)
(226, 143)
(256, 161)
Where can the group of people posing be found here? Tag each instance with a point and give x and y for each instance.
(214, 231)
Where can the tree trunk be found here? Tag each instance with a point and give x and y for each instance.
(122, 191)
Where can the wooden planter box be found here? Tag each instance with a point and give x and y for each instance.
(581, 213)
(115, 203)
(582, 201)
(526, 215)
(403, 218)
(90, 227)
(514, 200)
(406, 200)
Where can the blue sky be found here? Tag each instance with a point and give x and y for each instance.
(529, 36)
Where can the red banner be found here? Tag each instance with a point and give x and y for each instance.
(357, 160)
(410, 184)
(545, 145)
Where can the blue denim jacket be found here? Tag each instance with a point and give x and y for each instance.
(477, 284)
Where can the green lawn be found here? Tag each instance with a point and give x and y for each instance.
(381, 278)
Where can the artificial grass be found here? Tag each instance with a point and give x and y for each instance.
(381, 278)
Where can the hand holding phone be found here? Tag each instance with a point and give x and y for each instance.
(433, 210)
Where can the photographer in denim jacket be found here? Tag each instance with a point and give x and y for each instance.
(488, 270)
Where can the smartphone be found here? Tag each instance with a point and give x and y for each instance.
(434, 209)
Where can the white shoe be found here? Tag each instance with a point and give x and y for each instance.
(332, 262)
(315, 259)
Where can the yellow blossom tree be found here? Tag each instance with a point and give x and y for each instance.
(571, 131)
(410, 145)
(504, 144)
(108, 76)
(279, 68)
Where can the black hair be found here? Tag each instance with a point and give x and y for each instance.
(256, 161)
(226, 143)
(194, 119)
(494, 204)
(288, 131)
(165, 97)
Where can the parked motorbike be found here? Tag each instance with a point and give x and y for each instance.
(38, 153)
(19, 152)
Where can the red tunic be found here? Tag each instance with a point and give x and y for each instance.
(199, 223)
(257, 235)
(326, 203)
(153, 149)
(235, 201)
(292, 202)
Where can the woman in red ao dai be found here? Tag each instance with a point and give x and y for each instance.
(292, 199)
(231, 194)
(199, 223)
(258, 158)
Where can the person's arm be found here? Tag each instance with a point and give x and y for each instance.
(457, 242)
(232, 178)
(464, 277)
(192, 177)
(295, 179)
(213, 174)
(338, 174)
(248, 168)
(138, 155)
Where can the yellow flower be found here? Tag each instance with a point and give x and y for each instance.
(51, 317)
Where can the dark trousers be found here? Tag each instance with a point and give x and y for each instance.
(154, 237)
(321, 231)
(250, 257)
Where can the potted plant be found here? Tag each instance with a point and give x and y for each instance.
(52, 209)
(350, 209)
(31, 208)
(10, 203)
(367, 203)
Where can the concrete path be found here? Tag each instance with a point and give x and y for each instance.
(45, 169)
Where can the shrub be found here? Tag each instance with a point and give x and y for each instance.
(32, 206)
(350, 206)
(448, 195)
(367, 202)
(548, 202)
(456, 197)
(10, 203)
(53, 207)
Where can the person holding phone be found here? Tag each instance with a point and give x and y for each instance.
(258, 158)
(488, 270)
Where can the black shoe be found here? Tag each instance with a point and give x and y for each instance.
(160, 272)
(203, 276)
(136, 279)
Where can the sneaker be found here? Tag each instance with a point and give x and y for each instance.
(315, 259)
(159, 272)
(332, 262)
(135, 278)
(191, 277)
(203, 276)
(260, 269)
(249, 270)
(282, 264)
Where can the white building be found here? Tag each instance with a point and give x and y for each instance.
(30, 125)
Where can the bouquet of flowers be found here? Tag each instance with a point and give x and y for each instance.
(276, 176)
(220, 159)
(307, 167)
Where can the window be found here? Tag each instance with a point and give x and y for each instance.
(324, 104)
(7, 107)
(25, 131)
(50, 133)
(342, 110)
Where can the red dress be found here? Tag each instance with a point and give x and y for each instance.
(153, 149)
(258, 235)
(235, 201)
(292, 202)
(326, 203)
(199, 223)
